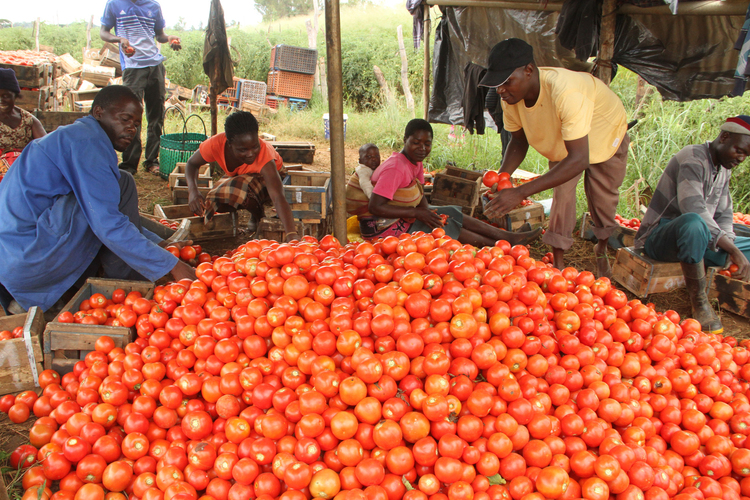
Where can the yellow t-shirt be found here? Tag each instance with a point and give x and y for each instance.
(570, 106)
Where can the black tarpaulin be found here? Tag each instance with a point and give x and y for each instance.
(684, 57)
(217, 62)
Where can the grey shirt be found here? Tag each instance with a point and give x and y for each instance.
(692, 184)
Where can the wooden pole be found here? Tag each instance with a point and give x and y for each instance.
(312, 43)
(323, 78)
(427, 66)
(214, 106)
(404, 72)
(88, 32)
(606, 41)
(336, 113)
(384, 86)
(36, 33)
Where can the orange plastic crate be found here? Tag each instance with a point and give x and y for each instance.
(288, 84)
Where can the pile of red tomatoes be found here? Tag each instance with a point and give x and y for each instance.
(633, 223)
(740, 218)
(192, 254)
(410, 368)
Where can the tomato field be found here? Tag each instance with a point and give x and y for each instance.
(408, 368)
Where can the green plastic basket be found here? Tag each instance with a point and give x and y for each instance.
(178, 148)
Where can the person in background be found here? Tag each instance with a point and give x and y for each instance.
(575, 121)
(398, 205)
(18, 127)
(252, 174)
(138, 26)
(689, 218)
(67, 211)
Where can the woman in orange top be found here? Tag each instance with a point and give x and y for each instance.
(252, 179)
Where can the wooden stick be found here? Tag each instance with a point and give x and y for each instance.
(383, 85)
(88, 32)
(36, 33)
(427, 67)
(405, 72)
(606, 41)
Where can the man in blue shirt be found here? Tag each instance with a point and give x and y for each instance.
(138, 26)
(66, 210)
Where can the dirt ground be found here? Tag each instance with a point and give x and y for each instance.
(153, 190)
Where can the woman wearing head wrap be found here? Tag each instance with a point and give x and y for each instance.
(18, 127)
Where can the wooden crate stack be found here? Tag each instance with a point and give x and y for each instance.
(457, 186)
(36, 82)
(67, 343)
(223, 225)
(643, 276)
(21, 358)
(178, 183)
(292, 72)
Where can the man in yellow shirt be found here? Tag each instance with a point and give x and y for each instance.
(576, 122)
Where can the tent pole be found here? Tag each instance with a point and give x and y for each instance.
(426, 75)
(214, 106)
(336, 114)
(606, 41)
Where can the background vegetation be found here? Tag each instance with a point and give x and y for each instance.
(369, 38)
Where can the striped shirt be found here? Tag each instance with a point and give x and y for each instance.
(692, 184)
(137, 21)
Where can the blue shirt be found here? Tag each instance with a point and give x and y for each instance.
(59, 202)
(137, 21)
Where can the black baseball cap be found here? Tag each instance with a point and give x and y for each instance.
(504, 58)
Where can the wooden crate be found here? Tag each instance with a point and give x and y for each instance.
(51, 120)
(308, 194)
(221, 226)
(533, 214)
(29, 76)
(273, 229)
(451, 190)
(620, 237)
(179, 173)
(643, 275)
(180, 189)
(733, 294)
(462, 173)
(295, 152)
(21, 359)
(67, 343)
(31, 100)
(98, 75)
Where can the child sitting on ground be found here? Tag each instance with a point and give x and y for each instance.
(359, 189)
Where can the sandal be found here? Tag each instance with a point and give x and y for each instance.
(153, 169)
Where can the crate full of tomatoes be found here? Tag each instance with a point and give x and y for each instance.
(410, 368)
(527, 212)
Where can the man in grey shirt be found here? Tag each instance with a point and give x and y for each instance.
(689, 219)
